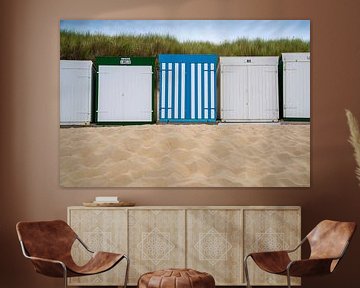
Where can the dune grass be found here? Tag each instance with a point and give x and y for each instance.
(86, 46)
(354, 140)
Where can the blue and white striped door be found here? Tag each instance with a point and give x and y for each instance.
(187, 88)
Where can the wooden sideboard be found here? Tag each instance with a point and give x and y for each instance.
(211, 239)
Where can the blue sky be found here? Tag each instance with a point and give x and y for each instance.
(200, 30)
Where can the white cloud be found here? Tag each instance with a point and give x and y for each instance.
(201, 30)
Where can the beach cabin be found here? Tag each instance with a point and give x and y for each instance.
(296, 86)
(125, 90)
(249, 89)
(76, 88)
(187, 88)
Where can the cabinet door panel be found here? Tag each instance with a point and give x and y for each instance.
(100, 230)
(214, 244)
(270, 230)
(156, 240)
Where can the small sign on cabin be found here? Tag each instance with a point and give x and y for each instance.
(125, 61)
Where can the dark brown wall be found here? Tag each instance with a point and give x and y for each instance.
(29, 113)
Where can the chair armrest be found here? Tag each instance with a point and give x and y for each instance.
(45, 260)
(48, 267)
(268, 253)
(309, 267)
(298, 246)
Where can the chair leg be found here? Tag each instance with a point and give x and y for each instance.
(65, 276)
(288, 278)
(127, 271)
(246, 272)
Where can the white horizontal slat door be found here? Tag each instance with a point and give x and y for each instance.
(263, 93)
(125, 94)
(234, 93)
(75, 95)
(297, 89)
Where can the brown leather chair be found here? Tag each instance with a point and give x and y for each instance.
(48, 245)
(328, 242)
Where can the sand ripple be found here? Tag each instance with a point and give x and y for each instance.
(235, 155)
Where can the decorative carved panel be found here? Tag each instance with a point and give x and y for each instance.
(214, 241)
(270, 230)
(100, 230)
(156, 240)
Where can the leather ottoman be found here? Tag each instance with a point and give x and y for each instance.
(176, 278)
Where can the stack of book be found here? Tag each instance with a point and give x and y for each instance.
(106, 199)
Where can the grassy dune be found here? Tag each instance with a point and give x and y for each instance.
(79, 46)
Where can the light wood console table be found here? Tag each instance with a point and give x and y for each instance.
(212, 239)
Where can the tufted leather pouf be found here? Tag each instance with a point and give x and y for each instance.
(176, 278)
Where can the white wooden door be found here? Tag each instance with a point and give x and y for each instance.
(125, 94)
(234, 96)
(249, 93)
(297, 89)
(75, 93)
(263, 101)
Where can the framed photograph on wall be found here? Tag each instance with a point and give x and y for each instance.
(184, 103)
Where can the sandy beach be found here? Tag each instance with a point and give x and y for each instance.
(228, 155)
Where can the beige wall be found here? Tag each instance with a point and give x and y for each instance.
(29, 111)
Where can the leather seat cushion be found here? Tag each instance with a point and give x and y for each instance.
(176, 278)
